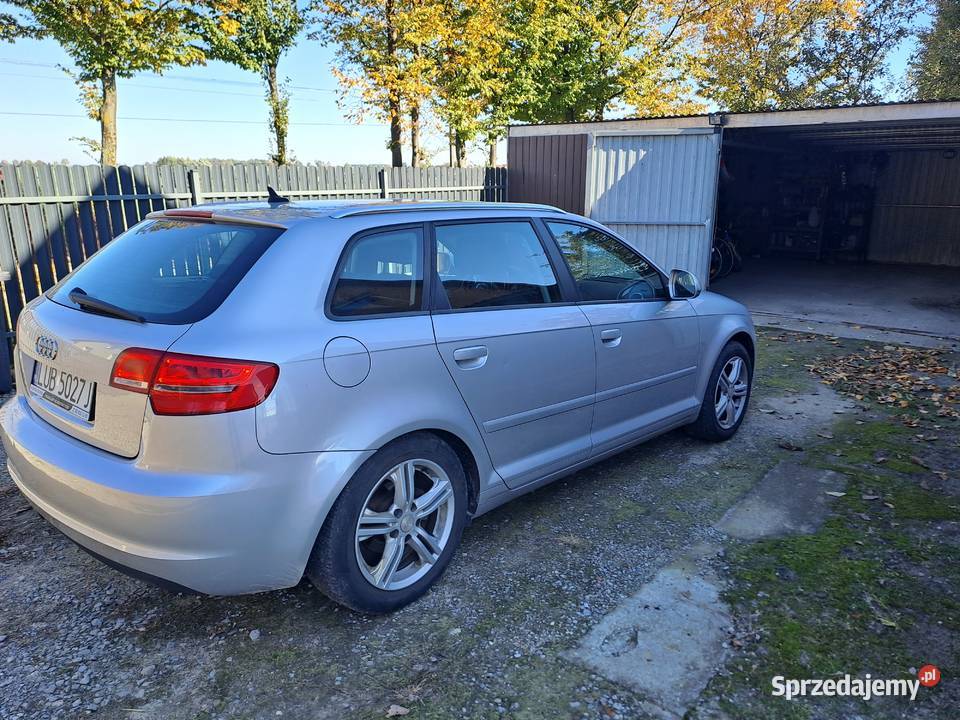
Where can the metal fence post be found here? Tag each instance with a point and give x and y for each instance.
(384, 180)
(196, 192)
(6, 347)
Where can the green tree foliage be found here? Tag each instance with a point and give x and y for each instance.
(595, 56)
(109, 39)
(935, 69)
(848, 62)
(254, 35)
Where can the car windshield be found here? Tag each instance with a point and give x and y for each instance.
(168, 271)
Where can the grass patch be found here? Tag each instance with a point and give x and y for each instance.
(873, 590)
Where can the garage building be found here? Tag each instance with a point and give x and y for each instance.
(853, 211)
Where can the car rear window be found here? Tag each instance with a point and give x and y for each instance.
(170, 271)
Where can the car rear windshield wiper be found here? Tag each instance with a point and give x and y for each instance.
(88, 302)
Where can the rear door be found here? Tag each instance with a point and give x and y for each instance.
(165, 273)
(658, 191)
(522, 358)
(647, 345)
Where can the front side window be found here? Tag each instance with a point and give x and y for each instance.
(381, 273)
(605, 269)
(494, 264)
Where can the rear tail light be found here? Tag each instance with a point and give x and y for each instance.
(180, 384)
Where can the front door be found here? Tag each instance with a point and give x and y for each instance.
(523, 361)
(647, 345)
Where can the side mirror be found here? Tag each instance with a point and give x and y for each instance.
(684, 285)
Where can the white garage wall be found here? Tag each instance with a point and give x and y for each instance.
(658, 190)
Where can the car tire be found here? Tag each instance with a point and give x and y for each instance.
(712, 424)
(359, 542)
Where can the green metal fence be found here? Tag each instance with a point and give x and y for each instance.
(52, 217)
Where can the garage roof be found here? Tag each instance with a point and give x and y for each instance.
(906, 125)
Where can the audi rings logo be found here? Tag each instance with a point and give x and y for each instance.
(47, 347)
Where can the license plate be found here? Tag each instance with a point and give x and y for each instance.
(64, 389)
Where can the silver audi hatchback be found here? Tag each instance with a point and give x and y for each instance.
(229, 397)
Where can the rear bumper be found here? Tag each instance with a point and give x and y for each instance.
(246, 530)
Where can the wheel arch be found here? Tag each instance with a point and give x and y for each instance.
(465, 454)
(718, 331)
(745, 339)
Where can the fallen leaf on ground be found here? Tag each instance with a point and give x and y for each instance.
(396, 710)
(787, 445)
(834, 493)
(871, 497)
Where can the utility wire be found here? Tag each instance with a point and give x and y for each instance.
(187, 78)
(164, 87)
(193, 120)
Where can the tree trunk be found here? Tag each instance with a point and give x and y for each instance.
(396, 133)
(278, 114)
(460, 149)
(415, 136)
(108, 118)
(491, 151)
(450, 150)
(393, 104)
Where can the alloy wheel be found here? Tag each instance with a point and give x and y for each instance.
(730, 397)
(405, 524)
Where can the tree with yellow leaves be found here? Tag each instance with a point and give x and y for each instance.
(380, 58)
(110, 39)
(768, 54)
(254, 35)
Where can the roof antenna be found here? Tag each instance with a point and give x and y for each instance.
(274, 197)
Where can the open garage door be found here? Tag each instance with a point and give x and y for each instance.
(658, 190)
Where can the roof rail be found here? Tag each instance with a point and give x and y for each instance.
(416, 206)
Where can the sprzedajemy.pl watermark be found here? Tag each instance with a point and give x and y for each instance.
(849, 686)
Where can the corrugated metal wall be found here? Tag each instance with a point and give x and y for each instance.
(658, 191)
(548, 169)
(916, 215)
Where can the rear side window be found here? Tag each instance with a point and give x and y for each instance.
(170, 271)
(494, 264)
(604, 268)
(380, 273)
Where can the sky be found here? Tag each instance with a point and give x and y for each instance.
(208, 111)
(216, 110)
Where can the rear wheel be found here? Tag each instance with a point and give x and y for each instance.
(394, 528)
(716, 262)
(726, 397)
(726, 259)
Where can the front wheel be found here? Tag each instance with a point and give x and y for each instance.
(394, 528)
(726, 397)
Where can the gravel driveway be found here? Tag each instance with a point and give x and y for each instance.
(489, 640)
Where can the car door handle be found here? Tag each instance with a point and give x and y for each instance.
(611, 338)
(470, 358)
